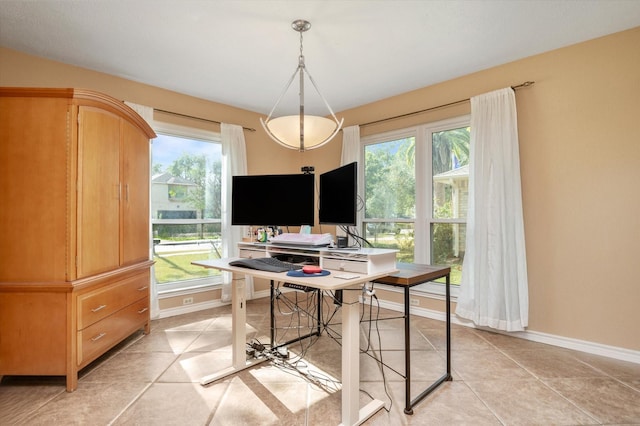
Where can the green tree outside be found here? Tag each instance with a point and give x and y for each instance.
(390, 188)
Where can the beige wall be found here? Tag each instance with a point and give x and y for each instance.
(580, 164)
(579, 150)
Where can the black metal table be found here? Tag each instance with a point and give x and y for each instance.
(410, 275)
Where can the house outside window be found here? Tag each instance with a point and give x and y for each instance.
(416, 184)
(185, 206)
(171, 194)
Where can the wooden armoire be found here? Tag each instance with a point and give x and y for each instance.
(74, 229)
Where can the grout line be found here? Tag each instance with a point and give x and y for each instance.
(307, 405)
(212, 414)
(484, 403)
(540, 379)
(25, 416)
(133, 401)
(226, 392)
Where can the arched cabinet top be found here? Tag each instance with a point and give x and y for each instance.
(83, 97)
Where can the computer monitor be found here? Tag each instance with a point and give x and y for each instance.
(280, 200)
(338, 196)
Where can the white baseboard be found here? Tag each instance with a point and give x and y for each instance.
(186, 309)
(615, 352)
(263, 293)
(195, 307)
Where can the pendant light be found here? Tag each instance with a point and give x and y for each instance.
(301, 132)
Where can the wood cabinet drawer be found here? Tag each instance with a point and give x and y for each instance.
(99, 337)
(252, 254)
(102, 302)
(344, 265)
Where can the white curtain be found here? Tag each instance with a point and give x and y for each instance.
(350, 153)
(494, 288)
(234, 162)
(146, 112)
(350, 145)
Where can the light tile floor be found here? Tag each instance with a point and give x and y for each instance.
(497, 380)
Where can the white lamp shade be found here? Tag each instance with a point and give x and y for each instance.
(317, 130)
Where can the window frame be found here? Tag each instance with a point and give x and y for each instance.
(174, 288)
(423, 197)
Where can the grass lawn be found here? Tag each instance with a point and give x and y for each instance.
(178, 267)
(456, 275)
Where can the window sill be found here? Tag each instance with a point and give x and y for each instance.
(187, 287)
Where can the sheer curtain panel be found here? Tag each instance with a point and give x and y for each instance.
(234, 163)
(350, 145)
(494, 287)
(350, 153)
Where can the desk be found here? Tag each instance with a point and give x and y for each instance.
(352, 414)
(409, 275)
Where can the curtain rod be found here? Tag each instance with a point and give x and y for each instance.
(525, 84)
(197, 118)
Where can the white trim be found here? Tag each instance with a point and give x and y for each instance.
(264, 293)
(195, 307)
(423, 219)
(186, 132)
(187, 309)
(622, 354)
(430, 290)
(190, 286)
(195, 285)
(614, 352)
(608, 351)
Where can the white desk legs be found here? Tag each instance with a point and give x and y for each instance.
(238, 333)
(351, 414)
(239, 322)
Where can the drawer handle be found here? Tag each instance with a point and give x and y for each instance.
(143, 310)
(99, 308)
(143, 288)
(98, 337)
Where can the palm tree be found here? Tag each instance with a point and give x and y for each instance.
(449, 147)
(446, 143)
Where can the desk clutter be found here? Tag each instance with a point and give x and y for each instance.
(305, 309)
(309, 308)
(300, 315)
(362, 261)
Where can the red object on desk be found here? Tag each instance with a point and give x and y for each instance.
(311, 269)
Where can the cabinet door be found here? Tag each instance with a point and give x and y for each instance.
(34, 158)
(99, 191)
(135, 204)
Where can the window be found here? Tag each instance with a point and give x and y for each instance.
(449, 193)
(178, 192)
(185, 206)
(416, 184)
(390, 194)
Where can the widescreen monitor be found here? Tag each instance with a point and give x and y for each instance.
(279, 200)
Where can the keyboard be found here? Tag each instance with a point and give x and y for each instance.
(270, 264)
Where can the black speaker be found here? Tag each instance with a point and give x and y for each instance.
(342, 242)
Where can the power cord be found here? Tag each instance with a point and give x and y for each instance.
(307, 307)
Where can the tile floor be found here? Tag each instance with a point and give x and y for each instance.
(497, 380)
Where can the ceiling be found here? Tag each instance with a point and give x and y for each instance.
(243, 52)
